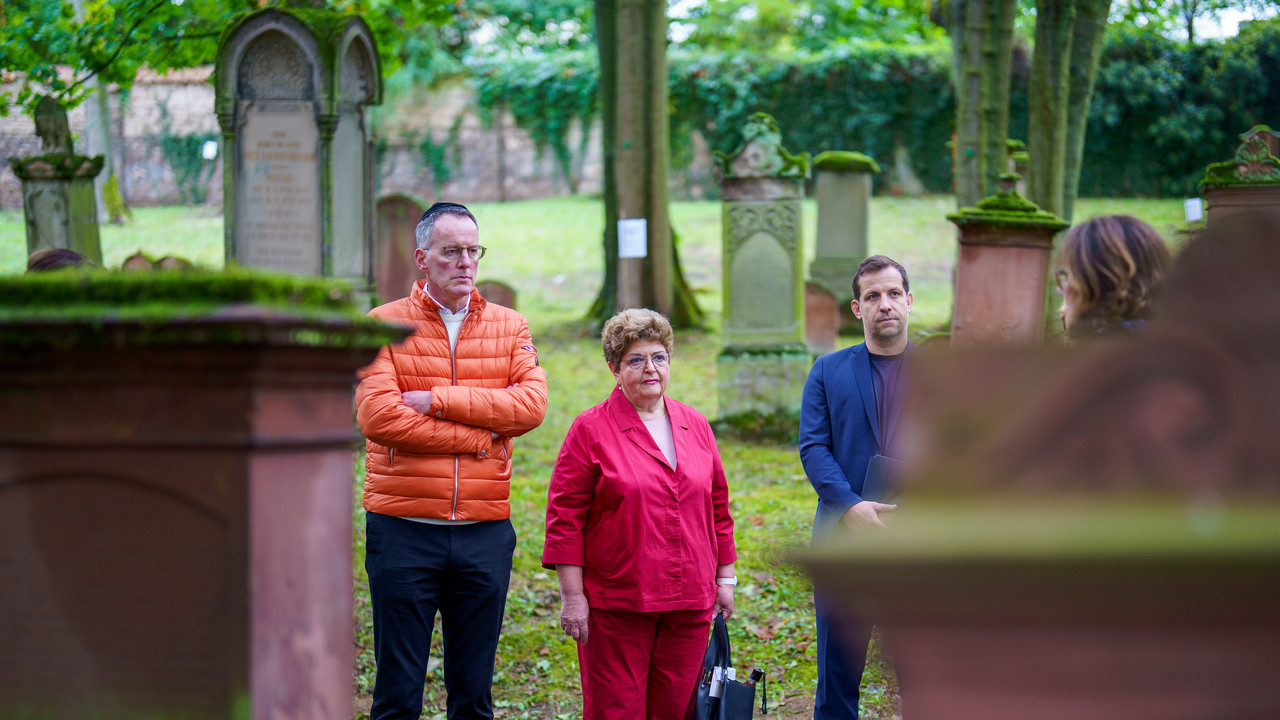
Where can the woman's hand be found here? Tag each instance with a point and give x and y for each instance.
(573, 616)
(724, 601)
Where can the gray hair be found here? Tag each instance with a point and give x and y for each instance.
(422, 234)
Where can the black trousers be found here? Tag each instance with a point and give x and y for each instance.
(416, 569)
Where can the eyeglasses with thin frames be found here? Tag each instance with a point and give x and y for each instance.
(637, 362)
(453, 252)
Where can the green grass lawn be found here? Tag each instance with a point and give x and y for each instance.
(550, 251)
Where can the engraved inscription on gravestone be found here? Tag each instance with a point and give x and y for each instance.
(280, 217)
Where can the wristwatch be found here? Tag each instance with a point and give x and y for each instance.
(727, 581)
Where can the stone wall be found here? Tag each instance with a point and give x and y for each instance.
(174, 113)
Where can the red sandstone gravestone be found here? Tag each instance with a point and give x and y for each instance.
(396, 270)
(176, 456)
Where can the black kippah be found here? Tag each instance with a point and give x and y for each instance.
(440, 207)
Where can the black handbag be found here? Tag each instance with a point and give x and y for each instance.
(717, 697)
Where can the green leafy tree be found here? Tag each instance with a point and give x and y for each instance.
(1170, 15)
(783, 25)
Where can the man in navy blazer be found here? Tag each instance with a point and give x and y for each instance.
(848, 416)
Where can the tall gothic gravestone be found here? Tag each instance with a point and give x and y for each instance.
(1248, 181)
(843, 186)
(763, 361)
(57, 188)
(1003, 269)
(291, 92)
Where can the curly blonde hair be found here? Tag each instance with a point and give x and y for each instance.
(632, 326)
(1116, 264)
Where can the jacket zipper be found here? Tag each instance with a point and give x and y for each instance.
(453, 369)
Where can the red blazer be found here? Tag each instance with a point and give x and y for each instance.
(649, 538)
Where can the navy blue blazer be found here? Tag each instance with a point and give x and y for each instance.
(838, 429)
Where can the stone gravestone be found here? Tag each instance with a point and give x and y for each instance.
(1248, 181)
(182, 550)
(1003, 269)
(57, 188)
(821, 318)
(763, 361)
(843, 187)
(291, 92)
(398, 216)
(498, 292)
(1092, 533)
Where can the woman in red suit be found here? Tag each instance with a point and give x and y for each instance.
(639, 532)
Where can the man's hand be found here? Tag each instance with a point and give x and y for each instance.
(573, 616)
(866, 516)
(417, 400)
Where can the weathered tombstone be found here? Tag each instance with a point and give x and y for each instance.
(183, 550)
(498, 292)
(291, 92)
(1092, 533)
(821, 317)
(57, 188)
(1248, 181)
(843, 187)
(763, 361)
(398, 216)
(1020, 160)
(1003, 269)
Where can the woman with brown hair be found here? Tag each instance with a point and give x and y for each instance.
(1109, 271)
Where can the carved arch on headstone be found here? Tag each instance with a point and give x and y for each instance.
(274, 68)
(360, 70)
(268, 37)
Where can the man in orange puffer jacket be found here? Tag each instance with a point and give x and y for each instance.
(438, 412)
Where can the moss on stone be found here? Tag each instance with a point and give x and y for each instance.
(1253, 165)
(1008, 208)
(56, 166)
(791, 349)
(91, 307)
(846, 161)
(780, 427)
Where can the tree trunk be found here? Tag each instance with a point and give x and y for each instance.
(982, 38)
(1086, 49)
(1063, 68)
(1048, 92)
(632, 41)
(97, 135)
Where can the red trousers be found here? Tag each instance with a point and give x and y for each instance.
(641, 666)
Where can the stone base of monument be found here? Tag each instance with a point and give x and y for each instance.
(763, 382)
(176, 495)
(1108, 610)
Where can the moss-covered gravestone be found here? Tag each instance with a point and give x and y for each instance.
(292, 86)
(1248, 181)
(843, 187)
(763, 362)
(1003, 269)
(57, 188)
(175, 495)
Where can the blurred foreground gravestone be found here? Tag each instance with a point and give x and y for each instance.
(396, 272)
(1094, 533)
(763, 362)
(291, 93)
(1250, 181)
(1003, 268)
(57, 188)
(176, 451)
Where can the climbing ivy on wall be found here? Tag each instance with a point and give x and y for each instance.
(548, 94)
(184, 153)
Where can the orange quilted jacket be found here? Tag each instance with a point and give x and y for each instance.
(445, 464)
